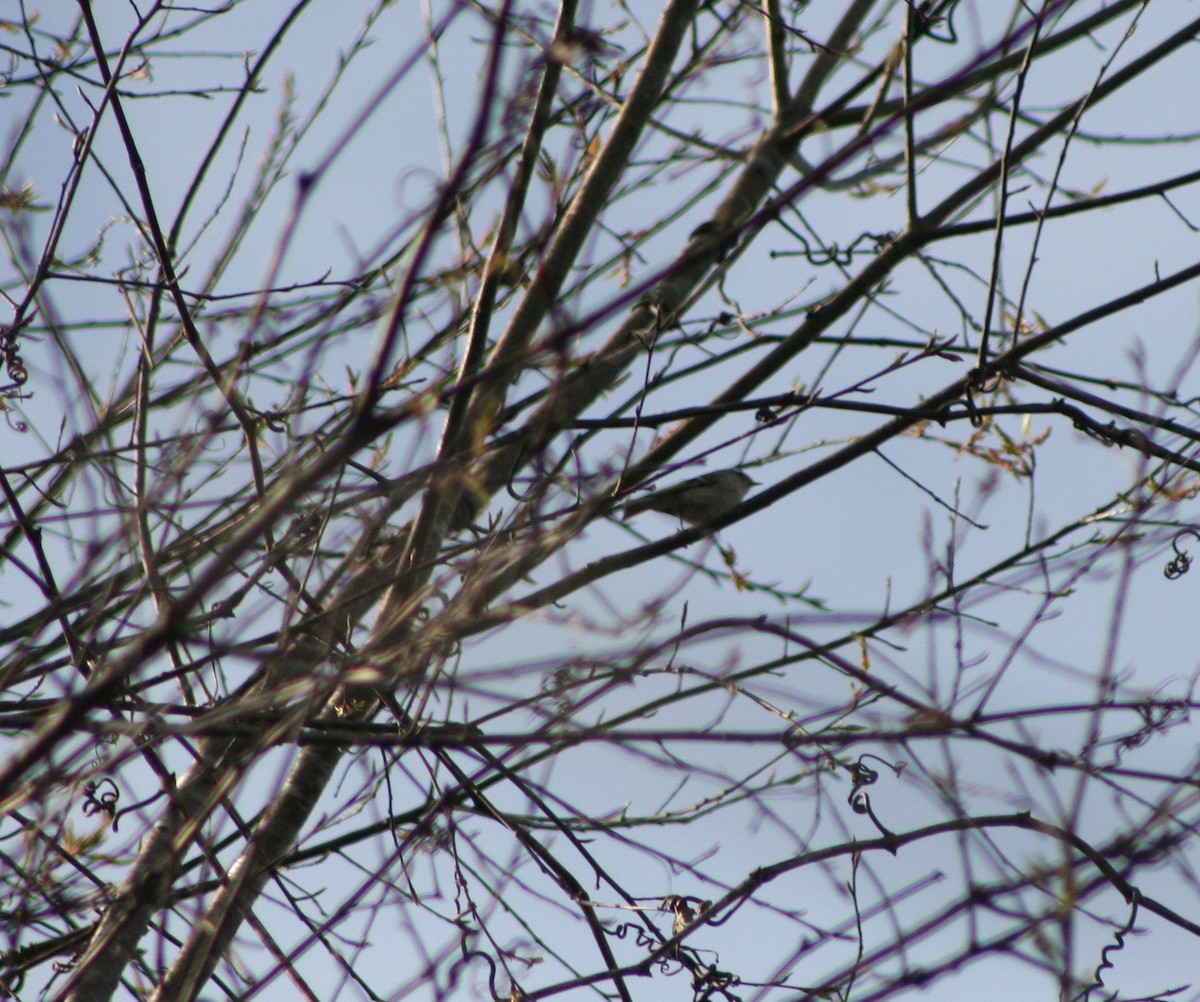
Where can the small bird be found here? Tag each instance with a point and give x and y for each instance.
(698, 500)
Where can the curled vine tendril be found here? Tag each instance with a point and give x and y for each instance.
(833, 254)
(1181, 563)
(101, 798)
(13, 364)
(1106, 964)
(862, 775)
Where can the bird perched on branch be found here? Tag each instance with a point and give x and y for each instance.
(698, 500)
